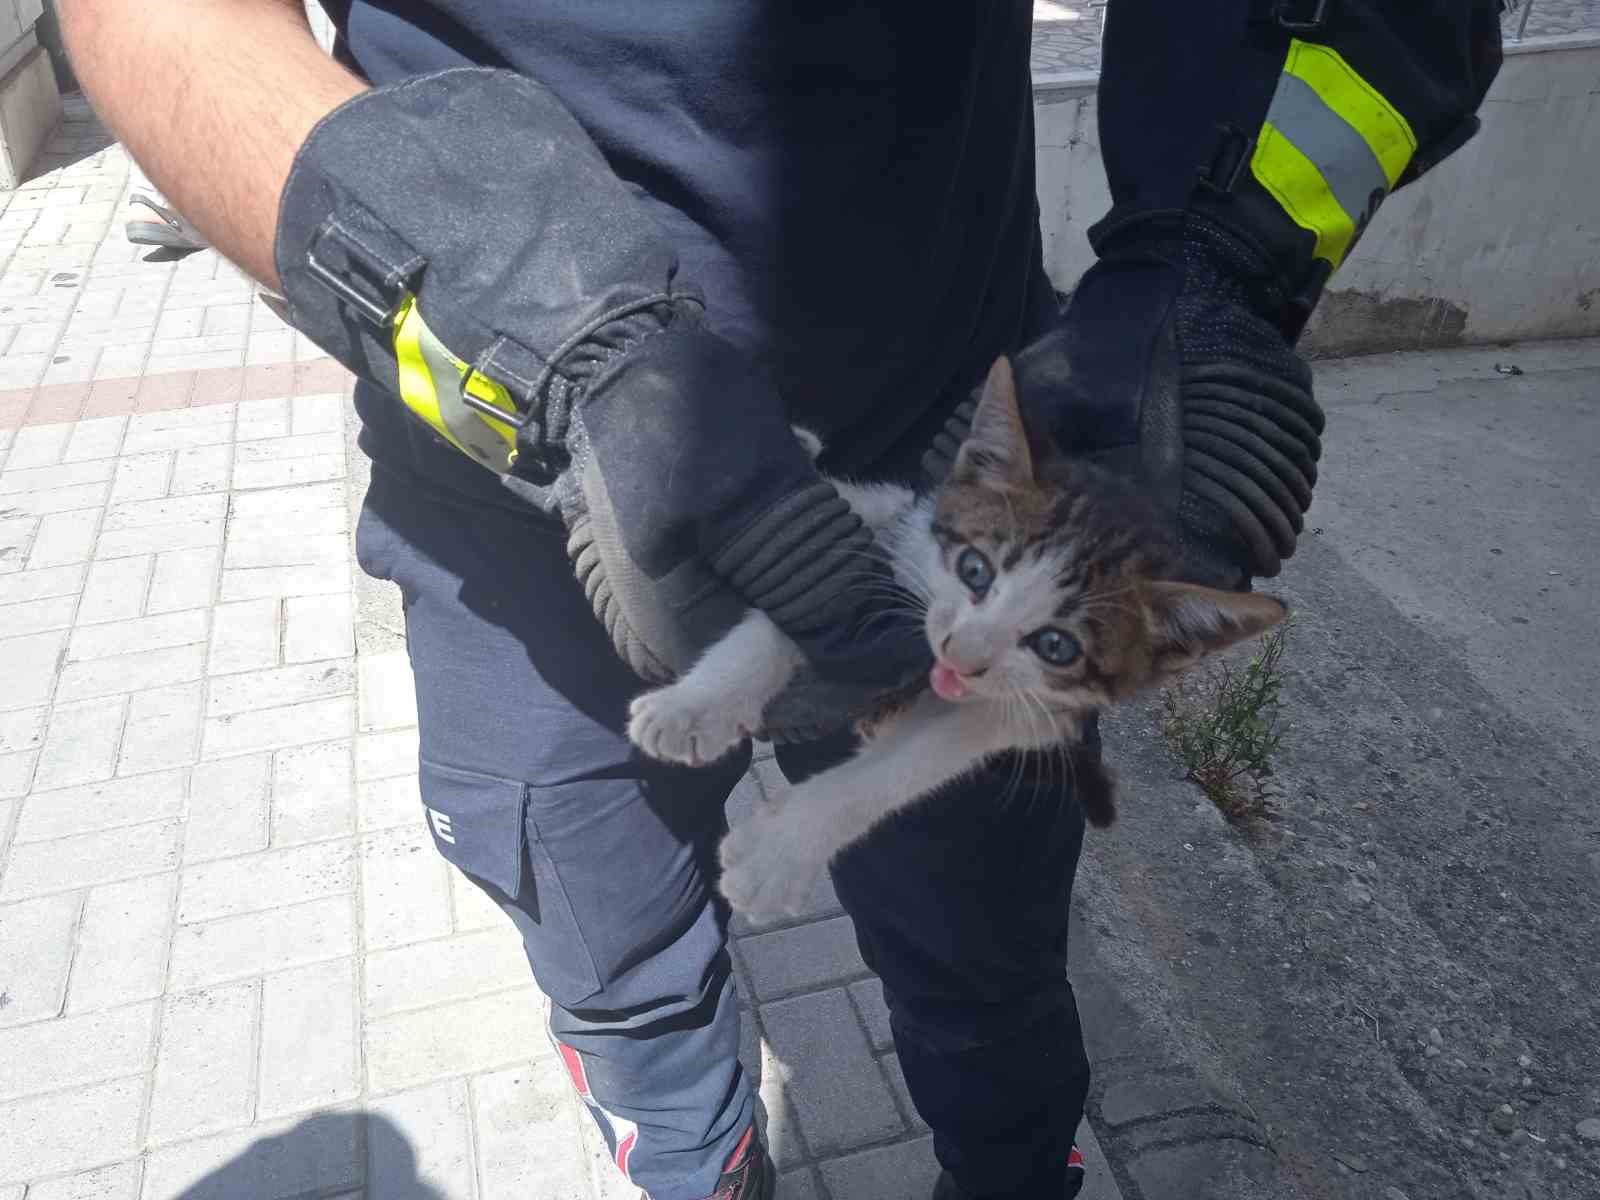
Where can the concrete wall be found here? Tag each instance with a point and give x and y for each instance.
(30, 104)
(1500, 241)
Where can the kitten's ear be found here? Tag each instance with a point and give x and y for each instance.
(996, 451)
(1188, 622)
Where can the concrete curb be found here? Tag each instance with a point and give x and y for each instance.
(1169, 1128)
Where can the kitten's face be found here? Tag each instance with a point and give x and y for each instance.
(1045, 578)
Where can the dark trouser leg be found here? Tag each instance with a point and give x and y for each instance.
(599, 857)
(960, 906)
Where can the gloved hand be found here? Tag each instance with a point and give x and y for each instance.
(460, 240)
(1173, 362)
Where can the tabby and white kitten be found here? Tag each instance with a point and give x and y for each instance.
(1047, 593)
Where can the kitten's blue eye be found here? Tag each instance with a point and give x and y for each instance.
(1056, 648)
(973, 569)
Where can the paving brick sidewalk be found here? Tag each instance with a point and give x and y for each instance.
(231, 963)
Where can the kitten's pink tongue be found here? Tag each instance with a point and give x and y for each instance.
(946, 683)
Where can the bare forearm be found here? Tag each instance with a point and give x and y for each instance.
(212, 98)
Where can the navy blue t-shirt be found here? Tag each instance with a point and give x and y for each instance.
(851, 184)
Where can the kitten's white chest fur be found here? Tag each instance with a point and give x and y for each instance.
(771, 860)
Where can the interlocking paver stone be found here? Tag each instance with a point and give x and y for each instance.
(183, 579)
(469, 1035)
(471, 906)
(81, 742)
(379, 755)
(36, 948)
(405, 895)
(528, 1138)
(122, 944)
(38, 585)
(206, 1065)
(807, 956)
(91, 858)
(254, 583)
(16, 481)
(385, 803)
(244, 637)
(144, 514)
(102, 805)
(868, 997)
(285, 549)
(58, 500)
(317, 1155)
(271, 728)
(276, 687)
(141, 477)
(38, 446)
(269, 880)
(455, 968)
(325, 444)
(311, 797)
(115, 590)
(903, 1171)
(63, 537)
(277, 939)
(227, 807)
(118, 1182)
(38, 616)
(434, 1125)
(201, 469)
(30, 668)
(318, 414)
(152, 539)
(16, 773)
(318, 627)
(286, 472)
(119, 673)
(50, 1056)
(308, 1037)
(142, 633)
(163, 728)
(388, 700)
(842, 1096)
(22, 729)
(65, 1131)
(95, 438)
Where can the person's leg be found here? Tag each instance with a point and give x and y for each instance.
(598, 855)
(960, 905)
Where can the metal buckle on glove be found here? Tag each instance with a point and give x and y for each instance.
(516, 419)
(372, 308)
(530, 459)
(1281, 12)
(1230, 159)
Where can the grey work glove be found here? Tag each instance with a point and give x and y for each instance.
(1170, 365)
(458, 239)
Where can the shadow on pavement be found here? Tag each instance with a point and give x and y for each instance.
(322, 1154)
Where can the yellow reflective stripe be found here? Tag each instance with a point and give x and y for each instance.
(416, 380)
(1330, 148)
(1361, 105)
(430, 386)
(1296, 184)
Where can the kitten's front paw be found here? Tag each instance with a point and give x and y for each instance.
(674, 725)
(769, 866)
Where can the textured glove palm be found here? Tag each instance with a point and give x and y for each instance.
(1168, 364)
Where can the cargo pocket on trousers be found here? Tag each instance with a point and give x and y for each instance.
(479, 824)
